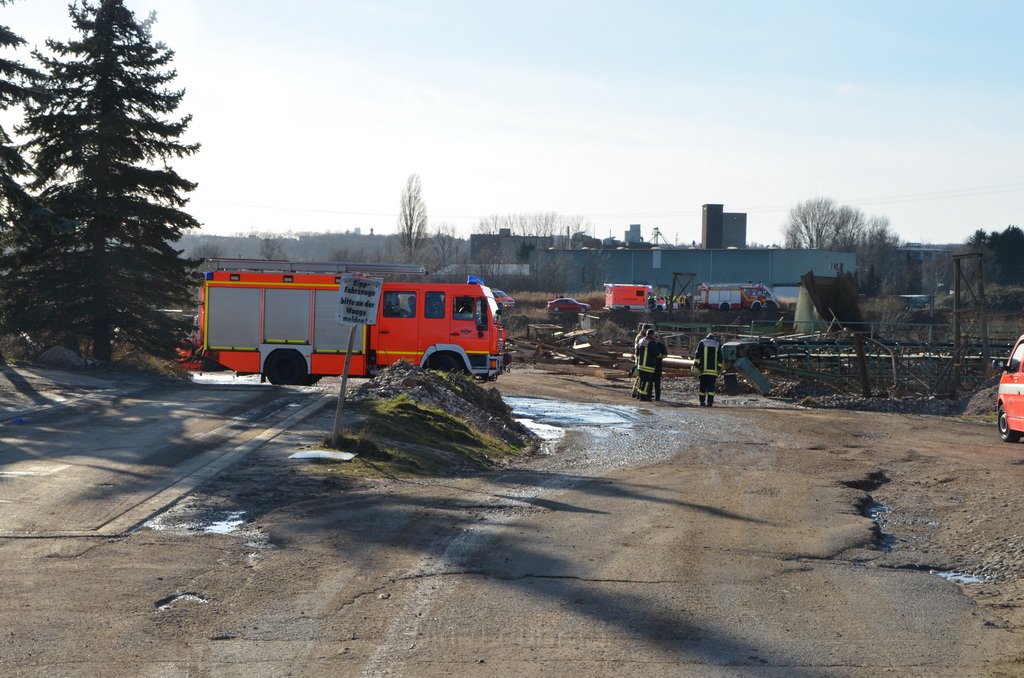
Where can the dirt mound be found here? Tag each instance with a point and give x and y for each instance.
(434, 422)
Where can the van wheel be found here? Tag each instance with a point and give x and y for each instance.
(1007, 434)
(285, 368)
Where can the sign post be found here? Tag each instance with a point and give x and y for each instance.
(358, 299)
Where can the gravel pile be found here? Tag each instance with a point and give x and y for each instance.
(453, 393)
(980, 403)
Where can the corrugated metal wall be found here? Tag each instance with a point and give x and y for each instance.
(773, 267)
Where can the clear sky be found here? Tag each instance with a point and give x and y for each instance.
(313, 113)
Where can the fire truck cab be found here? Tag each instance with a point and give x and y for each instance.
(1010, 399)
(279, 320)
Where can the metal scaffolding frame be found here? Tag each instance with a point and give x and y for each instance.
(971, 280)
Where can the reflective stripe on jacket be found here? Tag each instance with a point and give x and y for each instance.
(708, 355)
(646, 359)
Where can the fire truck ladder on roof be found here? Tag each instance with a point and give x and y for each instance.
(264, 265)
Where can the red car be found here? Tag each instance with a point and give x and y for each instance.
(503, 299)
(567, 305)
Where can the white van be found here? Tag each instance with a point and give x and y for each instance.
(1010, 401)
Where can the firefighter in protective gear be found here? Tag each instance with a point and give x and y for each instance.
(708, 358)
(641, 335)
(646, 362)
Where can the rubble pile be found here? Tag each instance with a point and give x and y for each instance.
(936, 406)
(980, 403)
(797, 389)
(456, 394)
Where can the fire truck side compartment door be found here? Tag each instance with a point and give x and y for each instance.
(328, 333)
(233, 318)
(286, 316)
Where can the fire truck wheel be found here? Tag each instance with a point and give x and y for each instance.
(211, 366)
(723, 306)
(445, 363)
(285, 367)
(771, 305)
(1007, 434)
(756, 306)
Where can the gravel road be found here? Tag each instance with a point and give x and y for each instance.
(756, 538)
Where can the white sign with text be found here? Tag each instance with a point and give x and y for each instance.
(358, 299)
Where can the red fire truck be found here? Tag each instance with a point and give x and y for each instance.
(734, 296)
(279, 320)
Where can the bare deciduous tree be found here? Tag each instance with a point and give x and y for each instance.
(272, 248)
(595, 273)
(538, 224)
(546, 224)
(412, 218)
(491, 225)
(556, 273)
(878, 258)
(207, 250)
(820, 223)
(341, 253)
(937, 275)
(444, 248)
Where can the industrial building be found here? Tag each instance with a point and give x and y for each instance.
(779, 269)
(721, 229)
(585, 264)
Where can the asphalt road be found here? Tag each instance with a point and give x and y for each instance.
(102, 462)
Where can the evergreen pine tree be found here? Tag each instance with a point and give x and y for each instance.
(17, 83)
(101, 142)
(17, 208)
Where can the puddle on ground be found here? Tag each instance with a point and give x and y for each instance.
(568, 414)
(877, 511)
(212, 522)
(322, 455)
(549, 419)
(961, 577)
(229, 523)
(545, 432)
